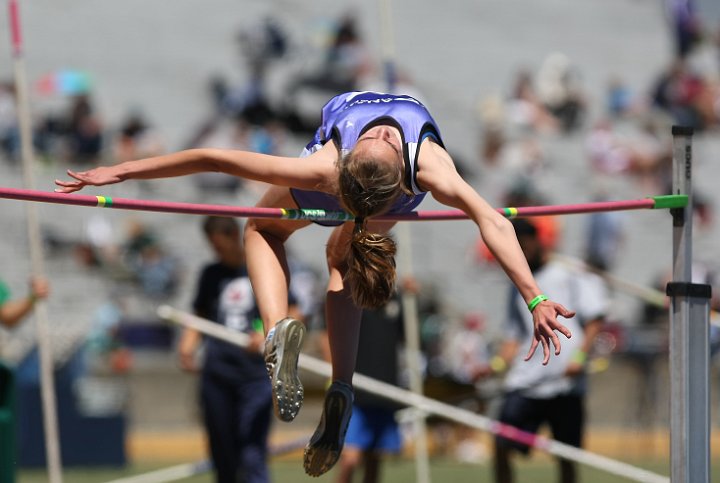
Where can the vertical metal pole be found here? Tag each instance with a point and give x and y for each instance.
(689, 336)
(47, 379)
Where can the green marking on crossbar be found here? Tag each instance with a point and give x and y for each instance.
(104, 201)
(666, 202)
(510, 212)
(311, 214)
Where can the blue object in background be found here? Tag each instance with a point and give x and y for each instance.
(84, 440)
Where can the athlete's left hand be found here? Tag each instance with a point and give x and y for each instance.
(99, 176)
(546, 323)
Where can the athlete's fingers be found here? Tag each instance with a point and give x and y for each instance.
(546, 349)
(564, 312)
(533, 348)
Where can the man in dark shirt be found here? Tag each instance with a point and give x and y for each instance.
(234, 386)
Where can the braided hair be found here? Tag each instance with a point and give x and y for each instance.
(369, 187)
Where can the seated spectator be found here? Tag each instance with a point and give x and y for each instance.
(155, 270)
(560, 91)
(525, 110)
(136, 140)
(684, 94)
(9, 130)
(642, 154)
(84, 132)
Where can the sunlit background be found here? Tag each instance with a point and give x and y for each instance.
(111, 81)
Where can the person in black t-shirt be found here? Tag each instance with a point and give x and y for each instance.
(234, 386)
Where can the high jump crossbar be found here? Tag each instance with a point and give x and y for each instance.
(674, 201)
(427, 405)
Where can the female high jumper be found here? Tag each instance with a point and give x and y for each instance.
(373, 154)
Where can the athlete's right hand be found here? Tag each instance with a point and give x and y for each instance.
(95, 177)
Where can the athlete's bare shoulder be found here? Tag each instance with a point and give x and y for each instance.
(434, 164)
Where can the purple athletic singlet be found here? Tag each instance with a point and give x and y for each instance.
(347, 116)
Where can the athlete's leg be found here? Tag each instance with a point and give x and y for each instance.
(341, 314)
(270, 277)
(343, 326)
(266, 258)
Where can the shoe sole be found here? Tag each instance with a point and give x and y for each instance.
(327, 443)
(287, 389)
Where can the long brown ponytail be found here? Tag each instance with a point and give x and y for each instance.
(369, 187)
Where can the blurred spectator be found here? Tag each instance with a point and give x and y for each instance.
(619, 98)
(75, 135)
(84, 132)
(136, 140)
(492, 117)
(234, 388)
(525, 110)
(560, 91)
(346, 60)
(468, 349)
(344, 66)
(604, 236)
(506, 153)
(156, 271)
(9, 130)
(260, 45)
(685, 95)
(98, 247)
(13, 311)
(685, 25)
(103, 345)
(643, 153)
(536, 394)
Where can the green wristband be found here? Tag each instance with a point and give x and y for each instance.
(258, 325)
(534, 302)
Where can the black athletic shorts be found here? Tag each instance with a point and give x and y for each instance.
(564, 414)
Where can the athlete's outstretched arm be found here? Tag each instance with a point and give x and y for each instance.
(311, 172)
(438, 175)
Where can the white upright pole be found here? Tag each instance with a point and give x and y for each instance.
(409, 299)
(47, 379)
(689, 336)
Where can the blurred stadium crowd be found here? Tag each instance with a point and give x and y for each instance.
(141, 265)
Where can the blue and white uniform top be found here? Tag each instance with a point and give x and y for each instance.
(347, 116)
